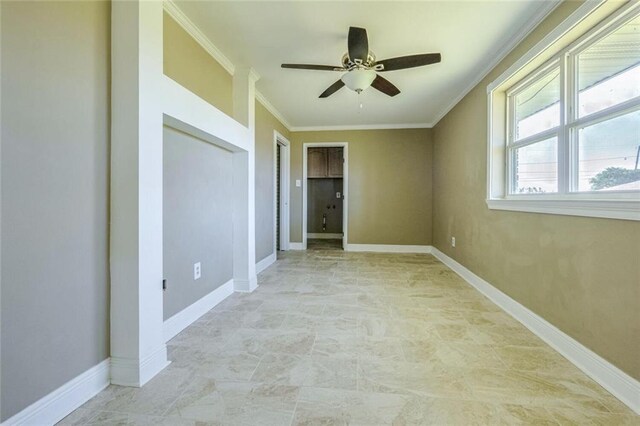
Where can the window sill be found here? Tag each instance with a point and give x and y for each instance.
(618, 209)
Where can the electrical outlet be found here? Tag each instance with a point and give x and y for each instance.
(197, 271)
(453, 241)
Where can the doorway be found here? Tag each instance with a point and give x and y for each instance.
(325, 178)
(281, 171)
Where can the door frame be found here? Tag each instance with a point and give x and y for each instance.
(285, 173)
(345, 188)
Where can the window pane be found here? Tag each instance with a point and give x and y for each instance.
(536, 168)
(607, 155)
(537, 107)
(609, 70)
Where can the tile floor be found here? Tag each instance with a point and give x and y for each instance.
(362, 339)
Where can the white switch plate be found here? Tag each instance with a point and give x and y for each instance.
(197, 271)
(337, 195)
(453, 241)
(298, 183)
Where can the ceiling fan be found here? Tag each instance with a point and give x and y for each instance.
(362, 67)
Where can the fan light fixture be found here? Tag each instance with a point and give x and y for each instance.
(359, 79)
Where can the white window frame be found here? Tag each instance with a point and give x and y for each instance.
(567, 201)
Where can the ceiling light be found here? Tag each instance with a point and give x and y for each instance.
(359, 79)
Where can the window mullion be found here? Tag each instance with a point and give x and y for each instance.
(566, 116)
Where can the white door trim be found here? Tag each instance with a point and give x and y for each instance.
(285, 172)
(345, 188)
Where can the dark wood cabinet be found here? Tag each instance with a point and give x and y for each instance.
(324, 162)
(335, 162)
(317, 162)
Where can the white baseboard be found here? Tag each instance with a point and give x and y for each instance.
(296, 246)
(610, 377)
(324, 236)
(135, 372)
(190, 314)
(61, 402)
(245, 286)
(266, 262)
(388, 248)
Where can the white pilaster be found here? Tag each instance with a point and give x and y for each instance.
(244, 228)
(138, 350)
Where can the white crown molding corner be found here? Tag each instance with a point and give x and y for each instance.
(190, 314)
(61, 402)
(508, 44)
(192, 29)
(389, 248)
(273, 110)
(266, 262)
(362, 127)
(610, 377)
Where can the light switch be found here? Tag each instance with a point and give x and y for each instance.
(338, 195)
(298, 183)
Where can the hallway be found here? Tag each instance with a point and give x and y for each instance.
(358, 338)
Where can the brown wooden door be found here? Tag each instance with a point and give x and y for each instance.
(335, 162)
(317, 162)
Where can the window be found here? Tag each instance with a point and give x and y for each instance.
(564, 137)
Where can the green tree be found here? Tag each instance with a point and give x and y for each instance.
(613, 176)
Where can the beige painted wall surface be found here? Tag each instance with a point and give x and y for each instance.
(55, 193)
(186, 62)
(580, 274)
(266, 123)
(389, 196)
(197, 218)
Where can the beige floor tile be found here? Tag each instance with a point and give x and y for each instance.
(362, 339)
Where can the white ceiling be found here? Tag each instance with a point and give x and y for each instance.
(470, 35)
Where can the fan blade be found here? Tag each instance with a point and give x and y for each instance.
(358, 44)
(385, 86)
(313, 67)
(407, 62)
(332, 89)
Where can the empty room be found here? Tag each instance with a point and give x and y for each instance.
(319, 212)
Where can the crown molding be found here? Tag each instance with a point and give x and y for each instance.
(174, 11)
(363, 127)
(508, 44)
(277, 114)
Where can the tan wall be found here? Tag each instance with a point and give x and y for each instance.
(581, 274)
(266, 123)
(55, 195)
(389, 196)
(186, 62)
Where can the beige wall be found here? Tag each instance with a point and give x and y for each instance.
(389, 196)
(581, 274)
(55, 162)
(186, 62)
(266, 123)
(197, 218)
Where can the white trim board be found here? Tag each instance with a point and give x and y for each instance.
(362, 127)
(273, 110)
(324, 236)
(388, 248)
(192, 29)
(610, 377)
(266, 262)
(284, 190)
(296, 246)
(190, 314)
(55, 406)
